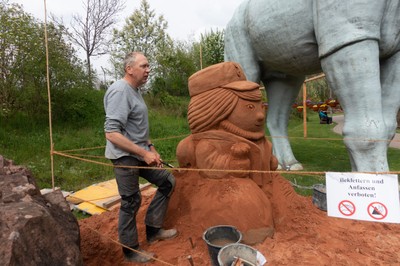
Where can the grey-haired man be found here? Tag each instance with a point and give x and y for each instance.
(128, 144)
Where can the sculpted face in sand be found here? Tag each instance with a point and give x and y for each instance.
(248, 116)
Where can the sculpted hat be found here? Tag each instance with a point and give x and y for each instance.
(223, 75)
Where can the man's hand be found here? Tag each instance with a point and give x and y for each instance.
(152, 158)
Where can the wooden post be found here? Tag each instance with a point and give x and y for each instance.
(305, 99)
(304, 109)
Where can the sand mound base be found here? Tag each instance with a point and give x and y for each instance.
(304, 235)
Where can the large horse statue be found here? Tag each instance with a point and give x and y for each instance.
(355, 43)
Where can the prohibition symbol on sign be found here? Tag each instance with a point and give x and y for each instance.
(377, 210)
(347, 208)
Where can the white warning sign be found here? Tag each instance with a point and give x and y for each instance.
(358, 196)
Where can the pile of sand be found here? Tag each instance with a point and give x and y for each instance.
(304, 235)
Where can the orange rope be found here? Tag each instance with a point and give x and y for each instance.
(101, 147)
(270, 137)
(214, 170)
(122, 245)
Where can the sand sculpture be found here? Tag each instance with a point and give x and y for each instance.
(227, 120)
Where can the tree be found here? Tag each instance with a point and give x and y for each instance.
(176, 65)
(318, 90)
(23, 63)
(12, 21)
(212, 47)
(144, 32)
(172, 63)
(90, 31)
(20, 46)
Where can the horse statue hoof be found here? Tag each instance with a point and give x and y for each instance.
(296, 167)
(292, 167)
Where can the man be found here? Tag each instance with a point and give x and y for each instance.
(127, 132)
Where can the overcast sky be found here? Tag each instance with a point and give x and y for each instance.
(186, 18)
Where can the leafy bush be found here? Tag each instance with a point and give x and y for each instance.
(78, 106)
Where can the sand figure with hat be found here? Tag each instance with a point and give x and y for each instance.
(234, 182)
(226, 117)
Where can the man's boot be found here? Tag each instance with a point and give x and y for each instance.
(139, 255)
(155, 234)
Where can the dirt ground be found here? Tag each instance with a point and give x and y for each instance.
(304, 235)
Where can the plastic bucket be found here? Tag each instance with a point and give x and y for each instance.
(228, 254)
(219, 236)
(319, 197)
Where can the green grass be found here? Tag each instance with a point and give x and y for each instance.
(313, 152)
(27, 143)
(322, 151)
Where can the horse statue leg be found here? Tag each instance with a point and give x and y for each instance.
(281, 94)
(390, 80)
(353, 72)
